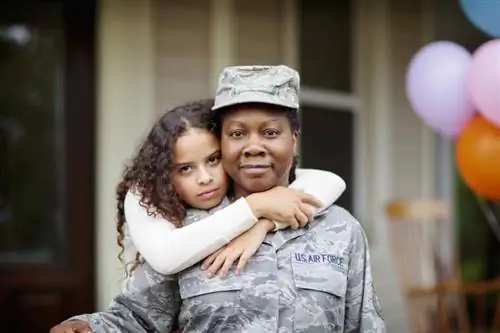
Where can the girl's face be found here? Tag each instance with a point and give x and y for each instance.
(197, 173)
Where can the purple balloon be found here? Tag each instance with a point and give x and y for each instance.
(437, 87)
(485, 80)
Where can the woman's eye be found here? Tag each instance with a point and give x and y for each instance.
(271, 133)
(236, 134)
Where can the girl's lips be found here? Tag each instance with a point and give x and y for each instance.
(210, 194)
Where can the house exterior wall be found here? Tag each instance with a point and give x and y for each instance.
(125, 110)
(182, 50)
(258, 32)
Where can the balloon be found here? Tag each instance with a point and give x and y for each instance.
(437, 87)
(484, 82)
(478, 157)
(484, 14)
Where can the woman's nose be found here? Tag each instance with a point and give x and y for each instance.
(254, 150)
(254, 147)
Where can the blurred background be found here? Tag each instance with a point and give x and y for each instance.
(82, 81)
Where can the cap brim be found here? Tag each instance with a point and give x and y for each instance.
(253, 97)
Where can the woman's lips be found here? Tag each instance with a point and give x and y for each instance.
(255, 169)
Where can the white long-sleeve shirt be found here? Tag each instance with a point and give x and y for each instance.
(169, 249)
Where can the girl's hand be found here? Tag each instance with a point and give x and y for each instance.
(283, 204)
(242, 247)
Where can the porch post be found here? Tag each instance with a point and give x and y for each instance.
(429, 161)
(222, 34)
(126, 108)
(291, 30)
(373, 83)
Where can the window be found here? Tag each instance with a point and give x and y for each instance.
(31, 137)
(328, 111)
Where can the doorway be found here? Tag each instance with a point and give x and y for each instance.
(46, 162)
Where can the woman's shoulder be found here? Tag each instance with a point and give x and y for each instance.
(195, 215)
(338, 218)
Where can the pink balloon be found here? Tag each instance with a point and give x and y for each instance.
(437, 87)
(485, 80)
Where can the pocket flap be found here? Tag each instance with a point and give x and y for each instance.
(197, 283)
(320, 277)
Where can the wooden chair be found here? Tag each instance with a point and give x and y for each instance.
(423, 245)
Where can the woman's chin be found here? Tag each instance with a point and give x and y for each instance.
(257, 185)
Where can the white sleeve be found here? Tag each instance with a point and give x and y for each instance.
(169, 249)
(326, 186)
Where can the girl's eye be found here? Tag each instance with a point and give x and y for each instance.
(236, 134)
(185, 169)
(271, 133)
(212, 160)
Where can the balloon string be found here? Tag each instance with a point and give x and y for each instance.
(490, 217)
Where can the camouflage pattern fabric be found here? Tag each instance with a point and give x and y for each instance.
(277, 85)
(316, 279)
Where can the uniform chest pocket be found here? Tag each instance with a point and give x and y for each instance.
(320, 277)
(195, 283)
(203, 297)
(320, 296)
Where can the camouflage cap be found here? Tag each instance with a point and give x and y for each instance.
(276, 85)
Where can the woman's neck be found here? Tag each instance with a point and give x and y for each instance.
(239, 192)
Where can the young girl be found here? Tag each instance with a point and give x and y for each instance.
(179, 167)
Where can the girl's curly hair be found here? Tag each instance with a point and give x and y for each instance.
(148, 172)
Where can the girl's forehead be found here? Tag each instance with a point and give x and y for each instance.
(194, 145)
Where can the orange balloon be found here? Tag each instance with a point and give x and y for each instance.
(478, 157)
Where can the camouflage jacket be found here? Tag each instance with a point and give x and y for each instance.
(316, 279)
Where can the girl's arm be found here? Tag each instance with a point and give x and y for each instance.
(169, 249)
(324, 185)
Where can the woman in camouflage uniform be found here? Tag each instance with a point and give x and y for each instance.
(314, 279)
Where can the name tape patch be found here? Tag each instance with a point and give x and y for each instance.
(310, 258)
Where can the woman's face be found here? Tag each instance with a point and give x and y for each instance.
(197, 173)
(258, 147)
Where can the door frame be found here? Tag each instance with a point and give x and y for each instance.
(73, 277)
(80, 107)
